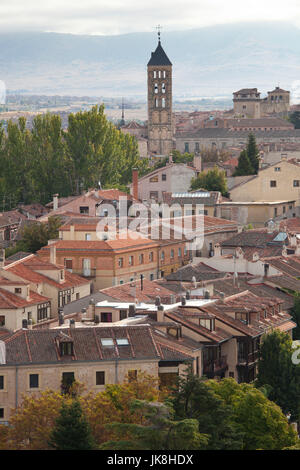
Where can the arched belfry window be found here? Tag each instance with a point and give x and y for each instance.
(159, 74)
(156, 102)
(163, 88)
(154, 74)
(155, 88)
(163, 102)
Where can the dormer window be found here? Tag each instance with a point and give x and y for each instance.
(242, 316)
(65, 344)
(66, 349)
(208, 323)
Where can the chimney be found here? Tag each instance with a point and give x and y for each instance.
(183, 300)
(132, 310)
(72, 323)
(135, 183)
(160, 313)
(283, 157)
(207, 294)
(197, 163)
(29, 324)
(91, 308)
(55, 202)
(97, 319)
(157, 301)
(52, 254)
(222, 296)
(188, 295)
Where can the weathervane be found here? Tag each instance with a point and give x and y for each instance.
(158, 27)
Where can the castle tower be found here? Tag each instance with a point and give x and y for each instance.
(160, 121)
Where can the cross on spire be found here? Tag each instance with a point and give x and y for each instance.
(158, 27)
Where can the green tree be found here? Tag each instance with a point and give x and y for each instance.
(50, 164)
(253, 152)
(194, 399)
(36, 235)
(261, 421)
(160, 432)
(296, 317)
(212, 180)
(294, 118)
(244, 166)
(71, 429)
(277, 372)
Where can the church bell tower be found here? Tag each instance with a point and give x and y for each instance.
(160, 120)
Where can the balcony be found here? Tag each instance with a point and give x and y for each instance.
(89, 273)
(247, 359)
(215, 366)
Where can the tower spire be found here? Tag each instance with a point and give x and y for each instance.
(158, 27)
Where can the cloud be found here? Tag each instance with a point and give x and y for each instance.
(119, 16)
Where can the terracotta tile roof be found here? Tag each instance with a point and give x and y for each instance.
(39, 345)
(210, 224)
(287, 265)
(11, 301)
(217, 336)
(26, 268)
(200, 271)
(260, 288)
(292, 225)
(257, 238)
(248, 302)
(130, 291)
(119, 245)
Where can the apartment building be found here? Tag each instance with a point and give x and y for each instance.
(49, 280)
(93, 355)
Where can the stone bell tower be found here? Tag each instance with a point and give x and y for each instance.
(160, 120)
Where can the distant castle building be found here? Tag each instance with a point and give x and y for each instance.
(248, 104)
(277, 102)
(160, 119)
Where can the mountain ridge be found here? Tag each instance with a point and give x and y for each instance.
(208, 61)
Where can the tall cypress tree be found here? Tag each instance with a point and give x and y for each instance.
(71, 430)
(253, 153)
(244, 166)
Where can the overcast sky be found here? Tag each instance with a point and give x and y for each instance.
(125, 16)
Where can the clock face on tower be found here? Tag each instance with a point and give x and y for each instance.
(160, 125)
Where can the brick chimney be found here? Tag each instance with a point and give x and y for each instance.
(135, 183)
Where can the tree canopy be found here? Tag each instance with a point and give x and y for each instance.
(37, 163)
(278, 373)
(212, 180)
